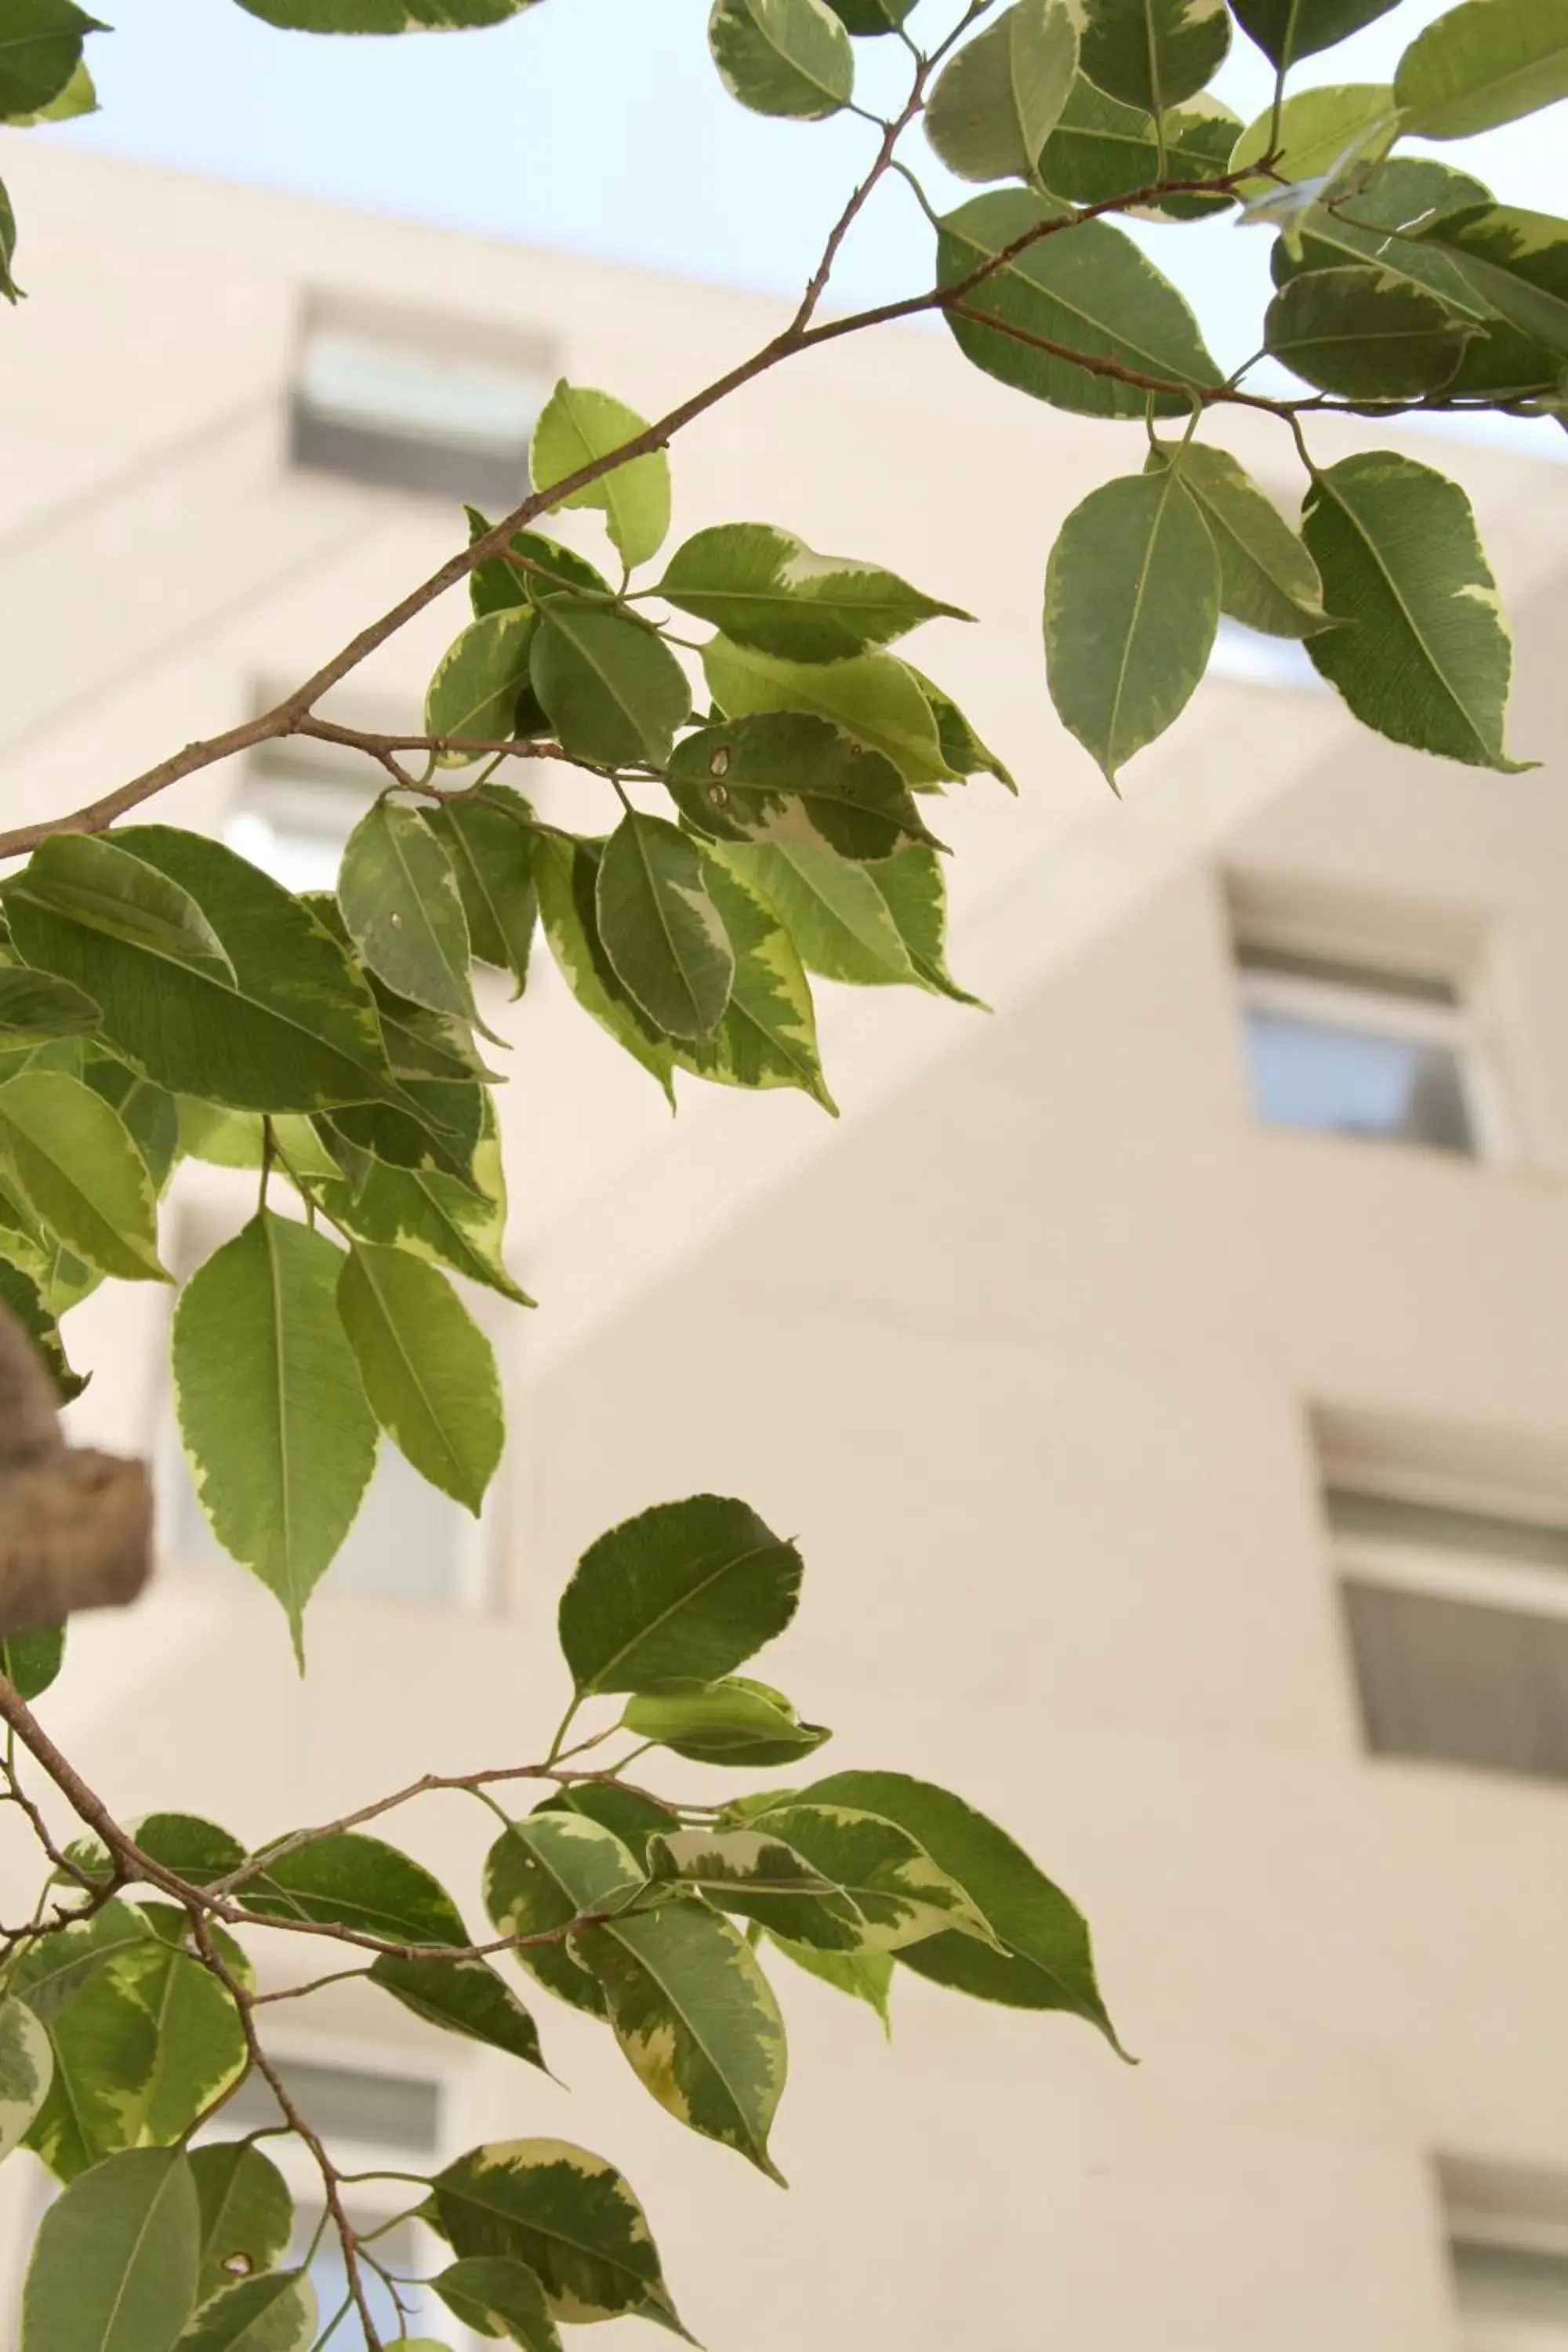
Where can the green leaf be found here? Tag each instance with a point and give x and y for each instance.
(633, 1816)
(875, 698)
(349, 1880)
(40, 49)
(899, 1891)
(750, 1872)
(579, 426)
(433, 1216)
(540, 1875)
(114, 2264)
(473, 693)
(400, 899)
(72, 1160)
(764, 587)
(149, 1114)
(1484, 63)
(1152, 54)
(833, 912)
(20, 1293)
(1396, 225)
(911, 888)
(688, 1588)
(32, 1004)
(614, 692)
(79, 97)
(1288, 29)
(996, 102)
(31, 1662)
(696, 2019)
(566, 873)
(382, 16)
(490, 845)
(1515, 263)
(201, 2047)
(661, 930)
(767, 1037)
(51, 1972)
(247, 2213)
(275, 1018)
(1365, 333)
(463, 1997)
(1132, 596)
(275, 1426)
(26, 2068)
(233, 1138)
(1102, 150)
(195, 1849)
(496, 2296)
(428, 1371)
(273, 2313)
(533, 568)
(8, 286)
(863, 1975)
(1046, 1962)
(962, 749)
(784, 776)
(100, 885)
(871, 16)
(567, 2216)
(1091, 295)
(1382, 224)
(105, 2046)
(1319, 129)
(736, 1721)
(1268, 579)
(1428, 661)
(783, 57)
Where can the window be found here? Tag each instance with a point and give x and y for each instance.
(1252, 658)
(1346, 1048)
(1512, 2298)
(444, 407)
(367, 2119)
(294, 813)
(1457, 1613)
(1507, 2256)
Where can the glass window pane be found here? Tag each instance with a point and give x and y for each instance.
(401, 2112)
(302, 856)
(409, 1540)
(1341, 1081)
(423, 2315)
(1438, 1526)
(1516, 2283)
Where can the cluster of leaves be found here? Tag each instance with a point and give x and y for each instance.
(763, 791)
(159, 996)
(129, 2012)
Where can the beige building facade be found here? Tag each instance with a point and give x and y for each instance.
(1165, 1374)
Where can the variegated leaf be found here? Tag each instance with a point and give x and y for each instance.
(696, 2019)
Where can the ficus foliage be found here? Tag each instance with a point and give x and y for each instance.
(761, 810)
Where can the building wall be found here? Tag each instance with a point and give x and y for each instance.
(1025, 1350)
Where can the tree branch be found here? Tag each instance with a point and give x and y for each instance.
(292, 715)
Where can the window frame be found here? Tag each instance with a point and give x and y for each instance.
(1491, 1579)
(489, 346)
(1324, 1003)
(1507, 2233)
(372, 2200)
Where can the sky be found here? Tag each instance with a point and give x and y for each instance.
(600, 127)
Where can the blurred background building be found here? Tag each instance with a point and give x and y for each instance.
(1165, 1374)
